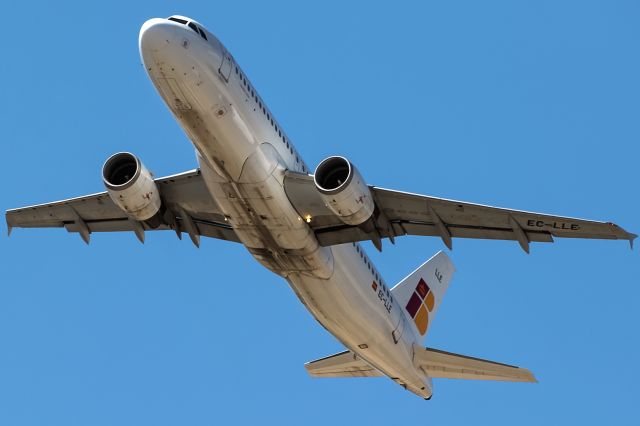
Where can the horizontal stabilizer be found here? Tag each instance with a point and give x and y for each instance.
(441, 364)
(343, 364)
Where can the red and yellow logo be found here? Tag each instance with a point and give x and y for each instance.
(420, 304)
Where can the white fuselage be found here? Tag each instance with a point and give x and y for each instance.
(243, 154)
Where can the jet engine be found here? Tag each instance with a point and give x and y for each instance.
(344, 191)
(132, 188)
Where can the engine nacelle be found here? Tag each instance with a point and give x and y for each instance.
(131, 186)
(344, 191)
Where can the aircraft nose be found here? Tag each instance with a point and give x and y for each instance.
(157, 34)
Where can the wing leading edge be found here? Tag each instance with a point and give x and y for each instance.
(188, 208)
(402, 213)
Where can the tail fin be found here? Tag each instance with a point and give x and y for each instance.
(420, 294)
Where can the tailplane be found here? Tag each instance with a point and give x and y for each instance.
(343, 364)
(422, 291)
(446, 365)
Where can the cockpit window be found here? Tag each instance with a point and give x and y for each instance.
(197, 29)
(191, 25)
(178, 20)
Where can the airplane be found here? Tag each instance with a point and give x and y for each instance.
(252, 187)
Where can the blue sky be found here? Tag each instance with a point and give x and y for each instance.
(530, 105)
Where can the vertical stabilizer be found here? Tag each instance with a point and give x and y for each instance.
(420, 294)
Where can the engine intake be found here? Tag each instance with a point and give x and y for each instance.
(131, 187)
(344, 191)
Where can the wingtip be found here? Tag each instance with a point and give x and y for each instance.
(529, 376)
(632, 237)
(9, 226)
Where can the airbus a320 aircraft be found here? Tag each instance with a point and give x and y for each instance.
(253, 188)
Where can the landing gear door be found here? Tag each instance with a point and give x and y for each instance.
(225, 66)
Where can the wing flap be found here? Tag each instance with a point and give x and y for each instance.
(427, 229)
(440, 364)
(343, 364)
(221, 231)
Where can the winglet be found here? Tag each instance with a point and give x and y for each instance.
(631, 238)
(9, 226)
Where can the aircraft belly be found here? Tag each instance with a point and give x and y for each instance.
(348, 308)
(204, 108)
(267, 224)
(242, 172)
(245, 175)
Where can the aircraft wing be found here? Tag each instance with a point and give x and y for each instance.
(185, 197)
(343, 364)
(402, 213)
(441, 364)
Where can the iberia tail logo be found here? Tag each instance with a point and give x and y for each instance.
(420, 304)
